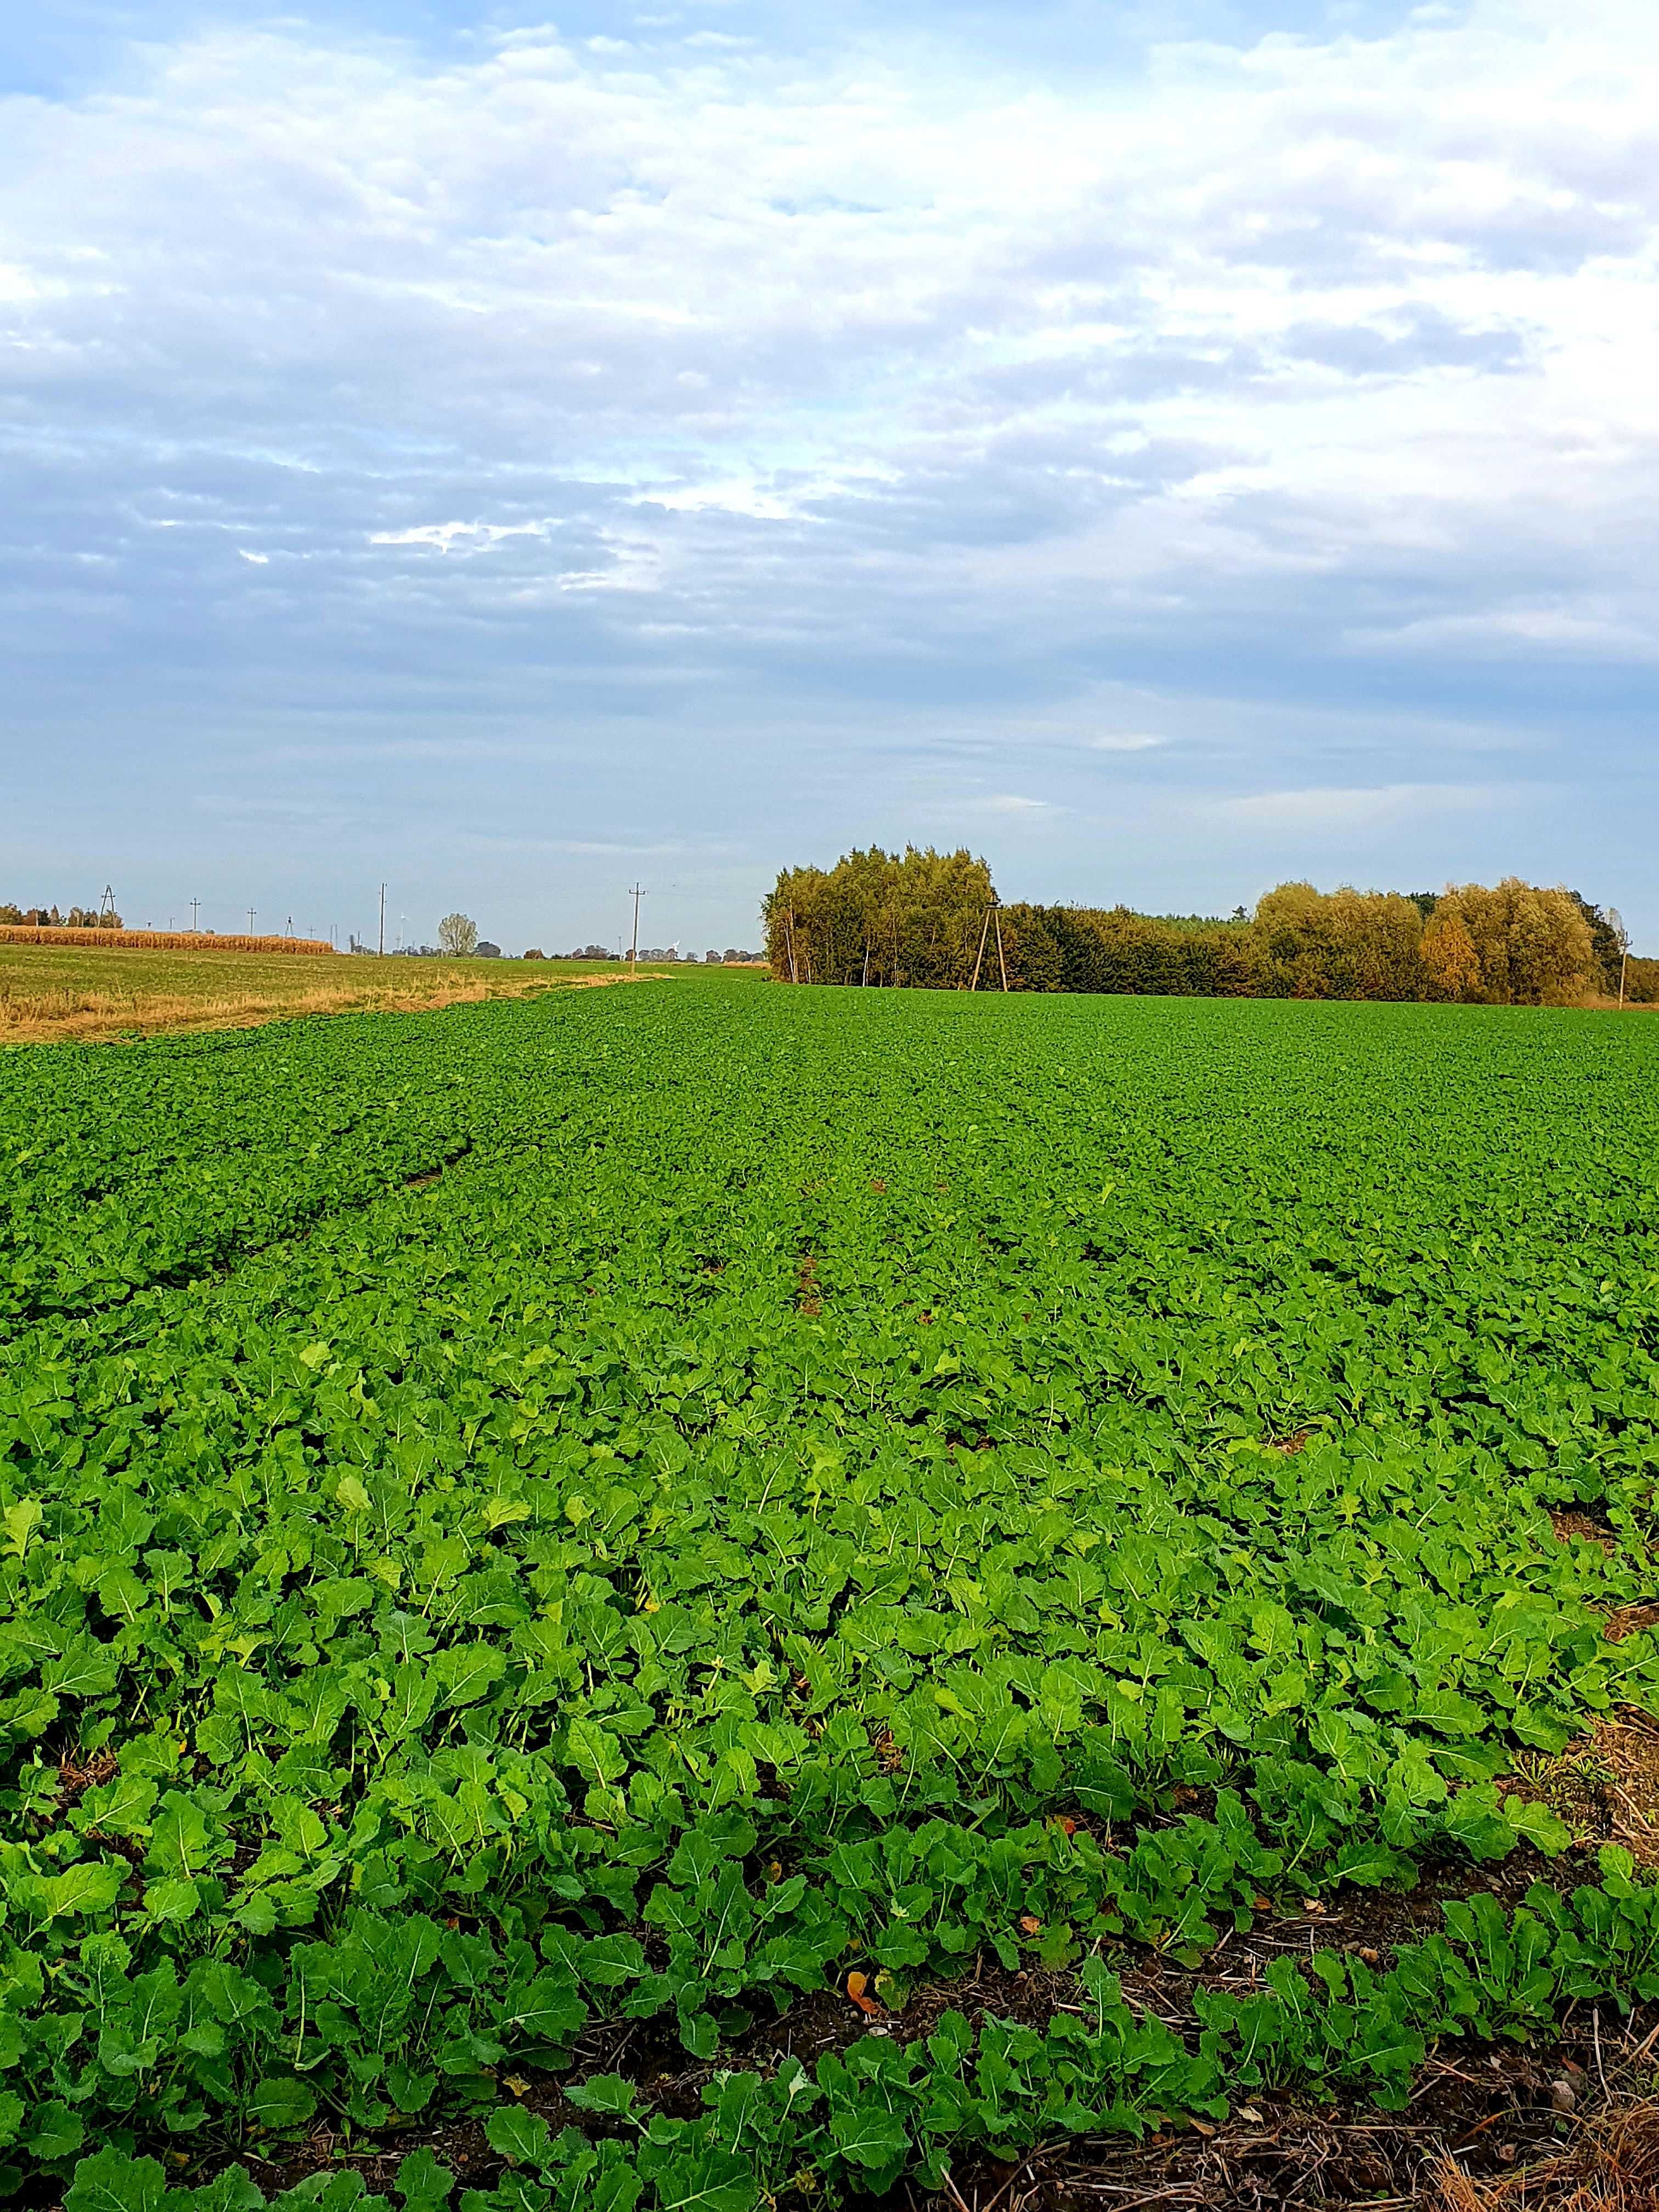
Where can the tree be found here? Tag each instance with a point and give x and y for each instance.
(1343, 944)
(1290, 931)
(876, 917)
(1535, 945)
(1450, 962)
(456, 935)
(1606, 932)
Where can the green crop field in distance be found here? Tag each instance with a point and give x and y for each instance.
(540, 1539)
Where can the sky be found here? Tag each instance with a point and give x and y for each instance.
(1168, 447)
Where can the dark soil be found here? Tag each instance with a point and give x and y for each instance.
(1605, 1786)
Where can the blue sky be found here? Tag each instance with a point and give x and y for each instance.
(1168, 447)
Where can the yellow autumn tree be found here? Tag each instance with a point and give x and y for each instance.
(1452, 966)
(1534, 946)
(1344, 943)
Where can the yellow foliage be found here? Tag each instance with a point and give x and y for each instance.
(1450, 962)
(1533, 946)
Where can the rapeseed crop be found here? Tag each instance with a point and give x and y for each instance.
(554, 1533)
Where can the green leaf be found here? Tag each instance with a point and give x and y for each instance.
(22, 1523)
(54, 2130)
(279, 2101)
(1449, 1712)
(715, 2182)
(609, 1960)
(169, 1900)
(467, 1673)
(603, 2093)
(120, 1808)
(1370, 1864)
(1541, 1828)
(111, 2182)
(84, 1888)
(410, 2091)
(595, 1753)
(520, 2137)
(423, 2185)
(869, 2137)
(550, 2010)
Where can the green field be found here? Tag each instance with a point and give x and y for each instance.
(541, 1538)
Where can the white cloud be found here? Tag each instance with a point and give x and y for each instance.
(883, 382)
(467, 537)
(259, 560)
(736, 498)
(1375, 301)
(1598, 629)
(1335, 810)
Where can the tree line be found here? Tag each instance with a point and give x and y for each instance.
(41, 917)
(933, 921)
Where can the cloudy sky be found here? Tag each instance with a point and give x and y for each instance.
(1168, 447)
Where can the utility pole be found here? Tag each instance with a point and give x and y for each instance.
(984, 929)
(383, 919)
(195, 910)
(1616, 923)
(993, 913)
(794, 975)
(637, 894)
(251, 913)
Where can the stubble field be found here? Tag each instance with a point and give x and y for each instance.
(50, 993)
(668, 1597)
